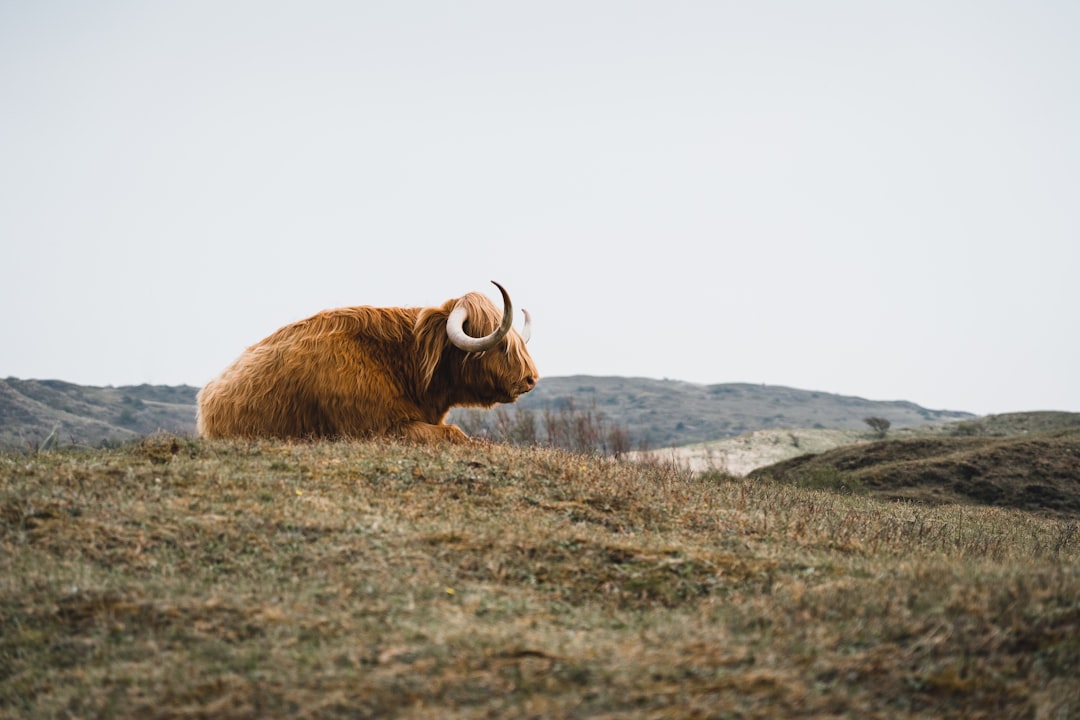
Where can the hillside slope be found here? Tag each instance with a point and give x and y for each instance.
(1037, 472)
(669, 413)
(33, 410)
(655, 413)
(758, 448)
(179, 579)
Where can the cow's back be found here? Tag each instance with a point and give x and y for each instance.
(340, 373)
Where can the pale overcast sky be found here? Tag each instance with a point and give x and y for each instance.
(869, 198)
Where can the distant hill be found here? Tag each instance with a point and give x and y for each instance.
(32, 411)
(655, 413)
(670, 413)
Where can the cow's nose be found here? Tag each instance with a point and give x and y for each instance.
(530, 381)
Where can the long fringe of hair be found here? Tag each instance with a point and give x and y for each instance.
(431, 338)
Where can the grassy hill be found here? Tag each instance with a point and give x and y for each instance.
(1038, 471)
(654, 413)
(759, 448)
(173, 578)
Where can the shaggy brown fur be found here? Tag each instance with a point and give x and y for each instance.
(364, 371)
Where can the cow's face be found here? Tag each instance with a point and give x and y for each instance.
(502, 374)
(470, 354)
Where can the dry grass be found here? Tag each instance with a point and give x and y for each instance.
(177, 579)
(1039, 472)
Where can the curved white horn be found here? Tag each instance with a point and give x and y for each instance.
(526, 330)
(456, 331)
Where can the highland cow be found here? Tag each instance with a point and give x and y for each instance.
(362, 372)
